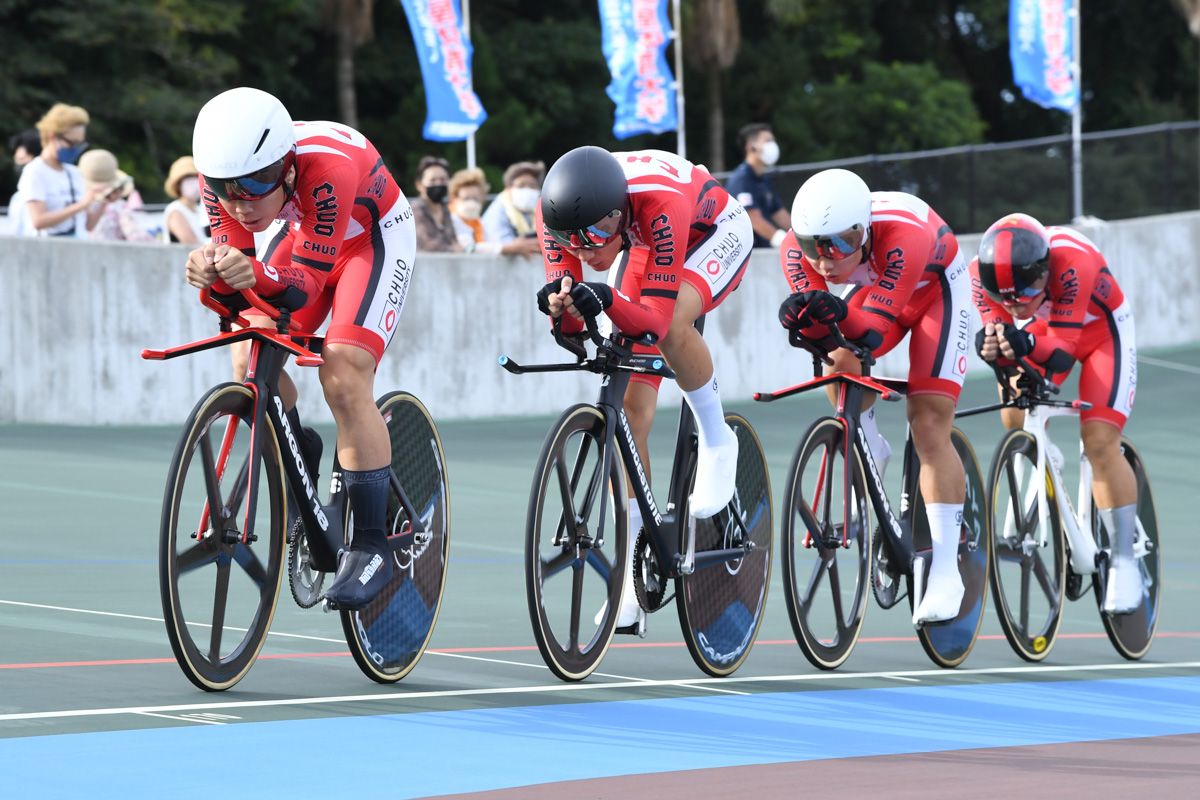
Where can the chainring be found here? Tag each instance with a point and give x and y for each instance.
(306, 583)
(885, 576)
(649, 578)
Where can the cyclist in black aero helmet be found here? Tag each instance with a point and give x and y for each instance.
(686, 244)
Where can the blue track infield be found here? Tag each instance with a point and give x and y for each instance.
(424, 754)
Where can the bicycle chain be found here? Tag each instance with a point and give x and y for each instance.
(650, 593)
(305, 582)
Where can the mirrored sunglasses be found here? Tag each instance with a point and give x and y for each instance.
(836, 246)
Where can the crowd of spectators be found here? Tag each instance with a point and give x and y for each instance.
(67, 189)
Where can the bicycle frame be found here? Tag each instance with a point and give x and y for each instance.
(269, 351)
(852, 390)
(617, 364)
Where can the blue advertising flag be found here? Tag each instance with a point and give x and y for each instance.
(635, 37)
(1041, 42)
(454, 112)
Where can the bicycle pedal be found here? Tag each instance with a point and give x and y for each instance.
(636, 629)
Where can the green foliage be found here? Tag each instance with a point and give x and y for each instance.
(837, 78)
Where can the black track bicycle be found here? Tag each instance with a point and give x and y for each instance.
(577, 535)
(829, 554)
(224, 538)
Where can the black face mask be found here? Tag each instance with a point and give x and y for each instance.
(437, 194)
(17, 169)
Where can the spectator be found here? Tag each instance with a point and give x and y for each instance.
(183, 219)
(771, 221)
(509, 219)
(115, 188)
(435, 226)
(25, 147)
(57, 201)
(468, 189)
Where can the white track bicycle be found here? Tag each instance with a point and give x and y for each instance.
(1044, 548)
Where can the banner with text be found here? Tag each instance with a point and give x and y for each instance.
(454, 112)
(635, 37)
(1041, 44)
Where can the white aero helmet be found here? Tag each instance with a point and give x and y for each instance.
(243, 144)
(831, 214)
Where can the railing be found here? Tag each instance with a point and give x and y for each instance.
(1133, 172)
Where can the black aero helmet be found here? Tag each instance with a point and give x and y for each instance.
(1014, 254)
(585, 187)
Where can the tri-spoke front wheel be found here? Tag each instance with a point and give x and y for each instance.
(222, 539)
(1028, 579)
(576, 541)
(826, 545)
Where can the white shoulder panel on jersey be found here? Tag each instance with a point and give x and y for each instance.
(319, 148)
(882, 202)
(1066, 237)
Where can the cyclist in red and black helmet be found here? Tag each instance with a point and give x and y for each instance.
(1047, 295)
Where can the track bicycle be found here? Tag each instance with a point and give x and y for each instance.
(577, 537)
(1046, 549)
(829, 553)
(224, 536)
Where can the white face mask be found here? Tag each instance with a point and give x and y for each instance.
(769, 152)
(524, 199)
(468, 209)
(189, 189)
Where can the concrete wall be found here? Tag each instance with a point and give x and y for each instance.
(75, 316)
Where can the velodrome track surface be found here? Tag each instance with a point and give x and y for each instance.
(92, 703)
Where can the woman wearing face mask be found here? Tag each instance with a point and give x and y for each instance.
(57, 200)
(753, 189)
(509, 219)
(183, 219)
(435, 227)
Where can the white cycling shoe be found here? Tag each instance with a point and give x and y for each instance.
(716, 471)
(1124, 592)
(631, 614)
(942, 600)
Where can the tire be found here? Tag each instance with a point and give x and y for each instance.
(569, 582)
(1133, 634)
(1028, 581)
(826, 616)
(949, 643)
(388, 637)
(721, 606)
(213, 586)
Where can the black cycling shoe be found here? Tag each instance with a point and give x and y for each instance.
(365, 569)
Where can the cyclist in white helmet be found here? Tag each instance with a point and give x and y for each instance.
(907, 276)
(346, 240)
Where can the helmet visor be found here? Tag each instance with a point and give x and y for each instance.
(593, 237)
(254, 186)
(1016, 296)
(836, 246)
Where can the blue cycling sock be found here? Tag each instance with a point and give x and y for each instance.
(367, 491)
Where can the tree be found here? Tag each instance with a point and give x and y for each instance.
(353, 26)
(713, 47)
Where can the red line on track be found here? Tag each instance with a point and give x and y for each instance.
(876, 639)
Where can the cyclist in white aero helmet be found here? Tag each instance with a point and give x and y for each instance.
(342, 241)
(907, 276)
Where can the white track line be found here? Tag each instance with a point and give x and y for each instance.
(401, 696)
(1158, 362)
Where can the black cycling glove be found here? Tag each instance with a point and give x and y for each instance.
(591, 297)
(543, 295)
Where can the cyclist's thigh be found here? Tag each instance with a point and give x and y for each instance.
(940, 348)
(1108, 367)
(373, 282)
(717, 261)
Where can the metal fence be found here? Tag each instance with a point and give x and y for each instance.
(1133, 172)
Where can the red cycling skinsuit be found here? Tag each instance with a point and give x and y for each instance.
(684, 227)
(1085, 316)
(346, 238)
(913, 280)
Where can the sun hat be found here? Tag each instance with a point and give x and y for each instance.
(99, 168)
(184, 167)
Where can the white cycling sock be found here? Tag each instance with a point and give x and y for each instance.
(1121, 525)
(945, 528)
(705, 403)
(881, 451)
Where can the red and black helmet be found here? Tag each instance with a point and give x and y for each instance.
(1014, 254)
